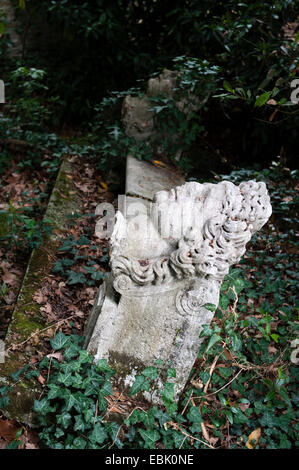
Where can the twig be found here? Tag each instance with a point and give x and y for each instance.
(15, 346)
(183, 442)
(202, 424)
(235, 301)
(226, 385)
(96, 413)
(178, 428)
(211, 373)
(186, 406)
(115, 436)
(136, 408)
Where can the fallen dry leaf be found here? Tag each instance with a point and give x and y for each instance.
(8, 430)
(158, 163)
(244, 406)
(47, 308)
(104, 185)
(254, 436)
(41, 380)
(57, 355)
(9, 278)
(197, 383)
(38, 297)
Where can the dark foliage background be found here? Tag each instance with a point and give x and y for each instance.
(89, 48)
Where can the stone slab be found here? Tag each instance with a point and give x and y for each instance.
(26, 318)
(144, 179)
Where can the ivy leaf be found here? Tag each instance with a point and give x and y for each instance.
(59, 341)
(79, 443)
(239, 285)
(85, 357)
(106, 389)
(58, 433)
(43, 407)
(168, 397)
(103, 366)
(141, 383)
(284, 442)
(150, 372)
(98, 434)
(80, 424)
(268, 419)
(171, 372)
(4, 401)
(178, 439)
(71, 352)
(98, 275)
(71, 401)
(54, 391)
(236, 342)
(213, 340)
(64, 419)
(149, 436)
(83, 241)
(194, 416)
(136, 417)
(88, 414)
(210, 307)
(75, 278)
(65, 378)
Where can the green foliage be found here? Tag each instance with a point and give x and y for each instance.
(73, 410)
(4, 398)
(21, 230)
(235, 64)
(90, 266)
(236, 59)
(255, 324)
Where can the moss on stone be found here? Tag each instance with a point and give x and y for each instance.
(26, 317)
(125, 366)
(22, 393)
(64, 199)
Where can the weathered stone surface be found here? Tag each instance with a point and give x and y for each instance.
(138, 114)
(27, 318)
(163, 85)
(168, 259)
(145, 180)
(139, 118)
